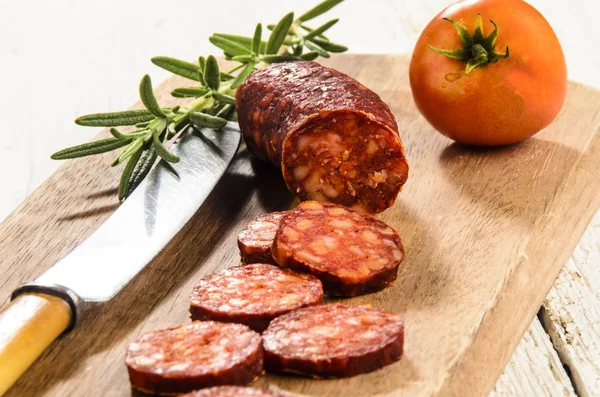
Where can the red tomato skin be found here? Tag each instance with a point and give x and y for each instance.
(497, 104)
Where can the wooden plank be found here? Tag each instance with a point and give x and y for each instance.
(476, 225)
(534, 369)
(571, 313)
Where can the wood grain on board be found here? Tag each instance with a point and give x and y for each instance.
(486, 233)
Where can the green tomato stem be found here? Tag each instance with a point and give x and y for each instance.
(477, 50)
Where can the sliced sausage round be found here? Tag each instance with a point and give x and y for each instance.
(253, 295)
(194, 356)
(333, 340)
(334, 139)
(256, 239)
(232, 391)
(349, 252)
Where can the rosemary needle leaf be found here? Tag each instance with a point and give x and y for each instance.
(309, 29)
(117, 134)
(309, 56)
(144, 124)
(186, 92)
(328, 45)
(243, 41)
(203, 120)
(129, 151)
(179, 67)
(224, 111)
(319, 9)
(279, 33)
(162, 151)
(115, 119)
(148, 98)
(213, 109)
(280, 58)
(228, 99)
(127, 172)
(246, 42)
(211, 73)
(90, 148)
(229, 46)
(202, 63)
(321, 29)
(316, 48)
(147, 159)
(257, 39)
(239, 79)
(297, 49)
(171, 131)
(242, 58)
(226, 76)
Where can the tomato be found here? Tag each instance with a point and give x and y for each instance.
(495, 103)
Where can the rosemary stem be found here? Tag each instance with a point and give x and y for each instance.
(233, 69)
(157, 124)
(202, 103)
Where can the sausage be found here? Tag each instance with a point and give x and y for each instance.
(333, 340)
(253, 295)
(256, 239)
(232, 391)
(333, 139)
(194, 356)
(349, 252)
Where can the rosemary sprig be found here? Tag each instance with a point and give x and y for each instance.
(214, 93)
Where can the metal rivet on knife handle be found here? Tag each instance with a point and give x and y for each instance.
(71, 298)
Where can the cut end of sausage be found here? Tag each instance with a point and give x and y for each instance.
(349, 252)
(194, 356)
(257, 237)
(347, 158)
(333, 340)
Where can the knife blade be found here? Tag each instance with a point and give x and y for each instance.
(97, 269)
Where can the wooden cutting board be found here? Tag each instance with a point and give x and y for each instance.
(486, 233)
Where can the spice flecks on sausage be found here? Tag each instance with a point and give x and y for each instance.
(333, 340)
(349, 252)
(232, 391)
(345, 158)
(253, 295)
(257, 237)
(194, 356)
(334, 139)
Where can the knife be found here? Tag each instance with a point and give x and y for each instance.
(97, 269)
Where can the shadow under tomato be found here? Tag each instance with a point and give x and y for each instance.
(517, 181)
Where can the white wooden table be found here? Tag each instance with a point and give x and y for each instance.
(91, 54)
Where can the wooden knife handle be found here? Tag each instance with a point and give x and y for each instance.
(28, 325)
